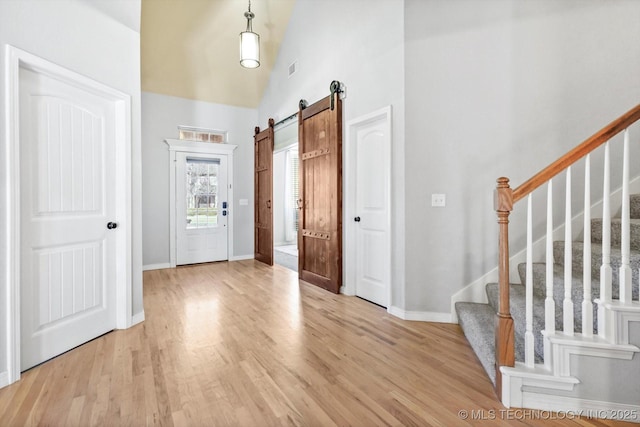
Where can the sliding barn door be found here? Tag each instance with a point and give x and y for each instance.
(263, 142)
(320, 228)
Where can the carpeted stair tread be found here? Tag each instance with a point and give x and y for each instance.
(518, 313)
(478, 324)
(634, 205)
(493, 293)
(616, 232)
(577, 292)
(596, 262)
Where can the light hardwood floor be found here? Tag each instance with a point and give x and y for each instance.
(244, 344)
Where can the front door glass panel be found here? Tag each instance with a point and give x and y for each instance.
(202, 193)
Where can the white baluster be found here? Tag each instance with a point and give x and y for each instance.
(625, 269)
(587, 305)
(567, 305)
(529, 358)
(605, 268)
(549, 304)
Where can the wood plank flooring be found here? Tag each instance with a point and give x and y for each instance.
(244, 344)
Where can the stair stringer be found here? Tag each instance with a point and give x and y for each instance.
(618, 317)
(564, 347)
(574, 379)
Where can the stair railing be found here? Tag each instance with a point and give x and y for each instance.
(504, 199)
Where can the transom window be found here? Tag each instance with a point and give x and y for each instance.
(202, 135)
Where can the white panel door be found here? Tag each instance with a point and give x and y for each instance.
(201, 208)
(68, 255)
(371, 220)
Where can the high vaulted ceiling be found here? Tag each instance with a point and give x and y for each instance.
(190, 48)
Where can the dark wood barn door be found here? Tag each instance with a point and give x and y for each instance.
(263, 185)
(320, 204)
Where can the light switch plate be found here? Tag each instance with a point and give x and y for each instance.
(243, 202)
(438, 200)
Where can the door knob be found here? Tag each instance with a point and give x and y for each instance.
(112, 225)
(356, 219)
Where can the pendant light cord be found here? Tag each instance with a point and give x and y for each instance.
(249, 17)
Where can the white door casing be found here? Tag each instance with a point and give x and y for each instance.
(368, 210)
(195, 149)
(57, 238)
(201, 238)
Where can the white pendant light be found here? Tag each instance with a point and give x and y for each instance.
(249, 44)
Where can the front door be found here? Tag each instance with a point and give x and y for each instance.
(68, 221)
(202, 208)
(320, 228)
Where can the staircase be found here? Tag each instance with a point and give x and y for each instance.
(477, 319)
(567, 360)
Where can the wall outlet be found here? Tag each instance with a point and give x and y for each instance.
(438, 200)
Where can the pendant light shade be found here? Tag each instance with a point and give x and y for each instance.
(249, 49)
(249, 44)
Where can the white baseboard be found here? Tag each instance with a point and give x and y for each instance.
(156, 266)
(422, 316)
(168, 265)
(4, 379)
(241, 257)
(137, 318)
(583, 407)
(347, 290)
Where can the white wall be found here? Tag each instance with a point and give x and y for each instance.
(491, 88)
(126, 12)
(359, 43)
(499, 88)
(161, 116)
(83, 39)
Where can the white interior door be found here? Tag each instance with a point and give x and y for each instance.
(202, 208)
(369, 145)
(67, 197)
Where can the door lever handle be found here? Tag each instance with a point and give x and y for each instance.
(356, 219)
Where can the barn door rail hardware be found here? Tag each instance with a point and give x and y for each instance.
(336, 88)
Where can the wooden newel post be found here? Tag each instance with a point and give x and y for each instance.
(503, 203)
